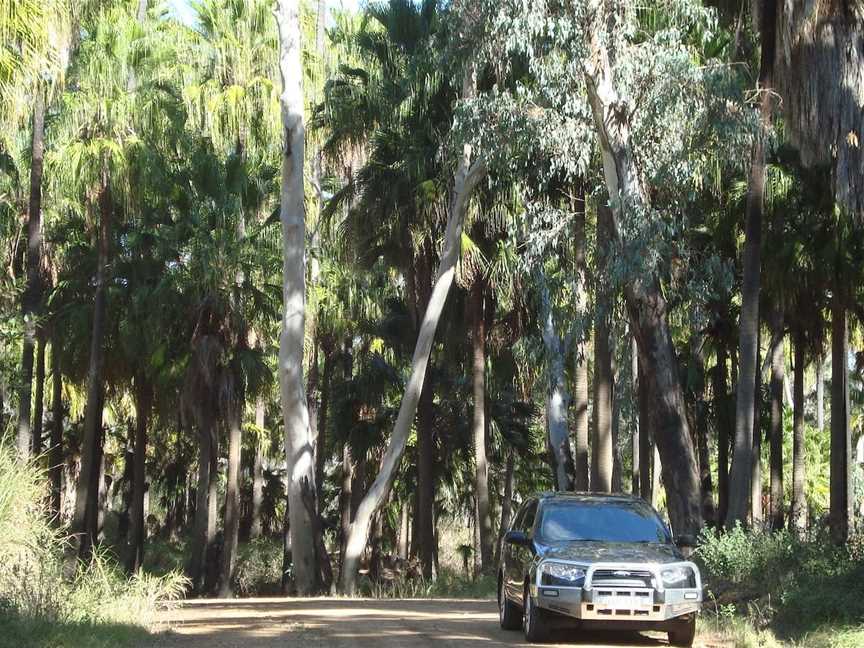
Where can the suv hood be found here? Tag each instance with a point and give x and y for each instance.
(591, 552)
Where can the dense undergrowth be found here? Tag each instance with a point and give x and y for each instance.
(49, 600)
(767, 588)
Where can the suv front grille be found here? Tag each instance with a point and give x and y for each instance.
(622, 578)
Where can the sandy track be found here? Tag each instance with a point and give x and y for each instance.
(359, 623)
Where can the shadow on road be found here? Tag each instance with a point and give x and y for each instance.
(359, 623)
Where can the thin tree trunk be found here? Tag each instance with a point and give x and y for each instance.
(483, 521)
(258, 471)
(756, 512)
(466, 178)
(778, 371)
(232, 499)
(700, 420)
(646, 304)
(646, 439)
(743, 458)
(721, 412)
(506, 502)
(85, 520)
(601, 443)
(32, 298)
(402, 548)
(299, 450)
(345, 500)
(323, 411)
(39, 398)
(636, 475)
(799, 449)
(820, 391)
(143, 407)
(205, 509)
(55, 452)
(841, 442)
(580, 372)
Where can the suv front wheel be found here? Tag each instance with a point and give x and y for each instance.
(683, 633)
(508, 612)
(534, 621)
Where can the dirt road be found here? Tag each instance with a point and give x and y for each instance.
(358, 623)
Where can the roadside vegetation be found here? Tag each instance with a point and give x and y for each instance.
(47, 597)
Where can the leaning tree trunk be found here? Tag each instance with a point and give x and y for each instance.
(55, 452)
(258, 471)
(580, 371)
(799, 502)
(143, 408)
(841, 441)
(601, 446)
(483, 521)
(85, 520)
(32, 298)
(743, 457)
(232, 499)
(299, 449)
(778, 362)
(646, 304)
(466, 178)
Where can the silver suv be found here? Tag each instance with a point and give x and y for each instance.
(607, 561)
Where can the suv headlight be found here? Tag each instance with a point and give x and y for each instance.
(562, 574)
(678, 577)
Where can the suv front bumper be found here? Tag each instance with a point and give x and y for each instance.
(607, 602)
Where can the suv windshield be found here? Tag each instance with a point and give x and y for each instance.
(601, 521)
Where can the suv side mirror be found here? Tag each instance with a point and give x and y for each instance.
(685, 541)
(519, 538)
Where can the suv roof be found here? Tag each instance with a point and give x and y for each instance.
(588, 497)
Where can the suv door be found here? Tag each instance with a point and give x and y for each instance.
(523, 556)
(513, 556)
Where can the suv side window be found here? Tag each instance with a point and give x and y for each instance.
(516, 524)
(526, 523)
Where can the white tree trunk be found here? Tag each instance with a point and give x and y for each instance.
(298, 442)
(466, 178)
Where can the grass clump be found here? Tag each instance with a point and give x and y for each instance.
(48, 600)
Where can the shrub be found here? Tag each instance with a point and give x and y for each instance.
(43, 593)
(259, 568)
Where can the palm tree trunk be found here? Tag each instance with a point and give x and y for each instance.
(700, 419)
(743, 458)
(841, 442)
(424, 515)
(756, 513)
(483, 521)
(85, 520)
(258, 471)
(143, 407)
(55, 452)
(232, 499)
(721, 412)
(778, 371)
(39, 398)
(646, 304)
(299, 450)
(506, 502)
(345, 498)
(601, 444)
(466, 178)
(580, 371)
(32, 298)
(205, 510)
(820, 391)
(799, 502)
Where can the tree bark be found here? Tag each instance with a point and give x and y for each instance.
(483, 521)
(601, 445)
(506, 502)
(580, 372)
(820, 392)
(841, 441)
(743, 458)
(721, 412)
(39, 397)
(55, 451)
(205, 508)
(646, 438)
(700, 422)
(258, 471)
(646, 305)
(778, 371)
(299, 450)
(32, 298)
(232, 499)
(756, 513)
(85, 520)
(143, 408)
(799, 449)
(466, 178)
(636, 474)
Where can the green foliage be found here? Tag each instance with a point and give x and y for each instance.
(258, 570)
(448, 584)
(43, 592)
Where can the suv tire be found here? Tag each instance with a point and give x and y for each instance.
(534, 620)
(509, 613)
(683, 633)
